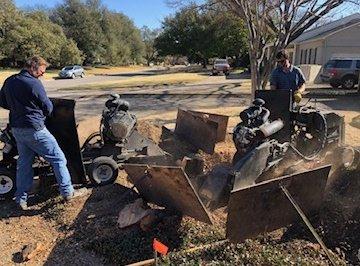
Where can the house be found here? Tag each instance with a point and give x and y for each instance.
(335, 39)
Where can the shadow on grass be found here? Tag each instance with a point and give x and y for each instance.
(134, 74)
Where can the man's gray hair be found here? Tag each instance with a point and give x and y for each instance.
(36, 62)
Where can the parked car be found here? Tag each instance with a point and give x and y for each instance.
(342, 72)
(221, 65)
(72, 72)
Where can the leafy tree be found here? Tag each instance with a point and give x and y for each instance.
(148, 37)
(76, 31)
(81, 23)
(9, 19)
(70, 54)
(122, 40)
(103, 36)
(29, 33)
(202, 34)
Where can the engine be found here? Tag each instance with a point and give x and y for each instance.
(272, 125)
(117, 123)
(254, 128)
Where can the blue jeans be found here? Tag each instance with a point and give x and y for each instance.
(41, 142)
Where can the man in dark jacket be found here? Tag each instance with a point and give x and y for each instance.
(24, 95)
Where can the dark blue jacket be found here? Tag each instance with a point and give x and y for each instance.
(291, 80)
(25, 97)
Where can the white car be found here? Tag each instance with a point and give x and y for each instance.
(221, 65)
(72, 72)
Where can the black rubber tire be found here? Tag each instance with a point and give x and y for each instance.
(82, 75)
(107, 164)
(348, 82)
(7, 177)
(73, 76)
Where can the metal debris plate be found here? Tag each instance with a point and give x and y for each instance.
(202, 130)
(264, 207)
(168, 187)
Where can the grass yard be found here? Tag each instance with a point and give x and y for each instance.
(103, 70)
(89, 71)
(139, 81)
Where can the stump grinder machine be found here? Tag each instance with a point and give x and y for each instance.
(282, 157)
(99, 158)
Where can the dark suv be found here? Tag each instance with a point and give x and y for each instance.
(341, 72)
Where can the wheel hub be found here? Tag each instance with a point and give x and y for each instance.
(6, 184)
(104, 172)
(349, 83)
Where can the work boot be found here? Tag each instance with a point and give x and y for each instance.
(76, 194)
(22, 206)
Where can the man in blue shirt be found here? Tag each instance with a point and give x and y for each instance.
(24, 95)
(287, 77)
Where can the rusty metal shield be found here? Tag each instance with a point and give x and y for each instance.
(202, 130)
(62, 125)
(221, 120)
(264, 207)
(168, 186)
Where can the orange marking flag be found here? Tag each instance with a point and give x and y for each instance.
(160, 247)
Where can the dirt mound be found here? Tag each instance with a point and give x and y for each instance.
(149, 130)
(179, 147)
(355, 122)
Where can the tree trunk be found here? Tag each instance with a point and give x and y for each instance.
(204, 63)
(255, 73)
(13, 61)
(267, 69)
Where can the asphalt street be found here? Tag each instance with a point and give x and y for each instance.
(212, 92)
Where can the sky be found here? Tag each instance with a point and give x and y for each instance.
(143, 12)
(151, 12)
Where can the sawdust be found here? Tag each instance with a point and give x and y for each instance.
(153, 132)
(179, 148)
(223, 154)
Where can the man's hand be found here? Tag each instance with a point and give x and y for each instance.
(301, 89)
(297, 96)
